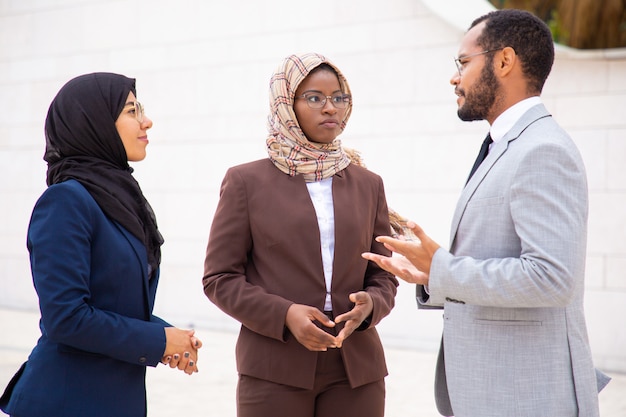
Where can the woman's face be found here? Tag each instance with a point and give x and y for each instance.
(132, 126)
(321, 125)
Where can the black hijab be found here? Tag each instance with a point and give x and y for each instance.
(82, 143)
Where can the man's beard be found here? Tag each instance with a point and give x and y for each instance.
(480, 99)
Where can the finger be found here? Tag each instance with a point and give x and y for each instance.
(403, 247)
(369, 256)
(316, 346)
(340, 339)
(344, 317)
(374, 257)
(359, 297)
(416, 229)
(322, 318)
(166, 360)
(195, 342)
(388, 240)
(184, 361)
(384, 262)
(344, 334)
(319, 340)
(174, 360)
(191, 368)
(349, 315)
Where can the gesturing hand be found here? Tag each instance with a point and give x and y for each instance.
(363, 306)
(300, 320)
(414, 264)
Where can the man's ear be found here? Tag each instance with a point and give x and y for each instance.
(506, 61)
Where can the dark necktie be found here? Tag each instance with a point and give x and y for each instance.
(484, 150)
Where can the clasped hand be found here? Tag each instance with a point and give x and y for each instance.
(413, 265)
(300, 320)
(181, 349)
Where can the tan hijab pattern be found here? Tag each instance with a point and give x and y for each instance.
(287, 146)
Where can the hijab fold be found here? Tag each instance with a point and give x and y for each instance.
(287, 146)
(82, 143)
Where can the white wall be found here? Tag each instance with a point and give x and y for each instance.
(203, 70)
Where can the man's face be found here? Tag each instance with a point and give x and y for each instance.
(475, 83)
(479, 97)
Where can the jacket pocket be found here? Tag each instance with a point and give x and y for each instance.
(508, 322)
(482, 202)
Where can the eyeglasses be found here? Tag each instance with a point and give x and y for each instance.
(318, 100)
(139, 111)
(460, 65)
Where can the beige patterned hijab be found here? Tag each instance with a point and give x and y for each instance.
(287, 146)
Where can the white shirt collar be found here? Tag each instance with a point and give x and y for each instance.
(510, 116)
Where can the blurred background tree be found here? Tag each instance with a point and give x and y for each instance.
(582, 24)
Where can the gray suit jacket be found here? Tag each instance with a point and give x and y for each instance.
(515, 340)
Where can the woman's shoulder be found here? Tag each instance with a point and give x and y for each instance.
(253, 166)
(63, 206)
(254, 170)
(358, 171)
(67, 194)
(67, 188)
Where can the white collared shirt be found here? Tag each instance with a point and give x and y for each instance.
(510, 116)
(321, 193)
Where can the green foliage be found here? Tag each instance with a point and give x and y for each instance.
(559, 33)
(583, 24)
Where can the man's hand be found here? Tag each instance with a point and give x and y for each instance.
(414, 264)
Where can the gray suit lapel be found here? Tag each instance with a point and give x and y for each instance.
(532, 115)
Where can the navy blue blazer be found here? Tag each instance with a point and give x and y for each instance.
(98, 333)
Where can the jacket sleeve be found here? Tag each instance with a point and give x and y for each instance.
(547, 215)
(380, 284)
(224, 281)
(60, 238)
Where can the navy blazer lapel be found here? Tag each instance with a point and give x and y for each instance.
(531, 116)
(142, 257)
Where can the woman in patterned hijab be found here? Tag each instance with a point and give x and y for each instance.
(287, 145)
(284, 258)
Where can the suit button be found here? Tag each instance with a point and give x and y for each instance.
(142, 359)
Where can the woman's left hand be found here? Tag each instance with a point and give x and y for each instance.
(363, 307)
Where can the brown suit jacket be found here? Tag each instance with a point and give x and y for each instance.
(264, 255)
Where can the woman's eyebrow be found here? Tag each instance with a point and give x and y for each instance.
(319, 91)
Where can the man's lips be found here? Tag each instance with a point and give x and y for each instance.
(459, 95)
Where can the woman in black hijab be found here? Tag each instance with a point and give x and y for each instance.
(95, 252)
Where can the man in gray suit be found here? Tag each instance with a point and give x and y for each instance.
(514, 340)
